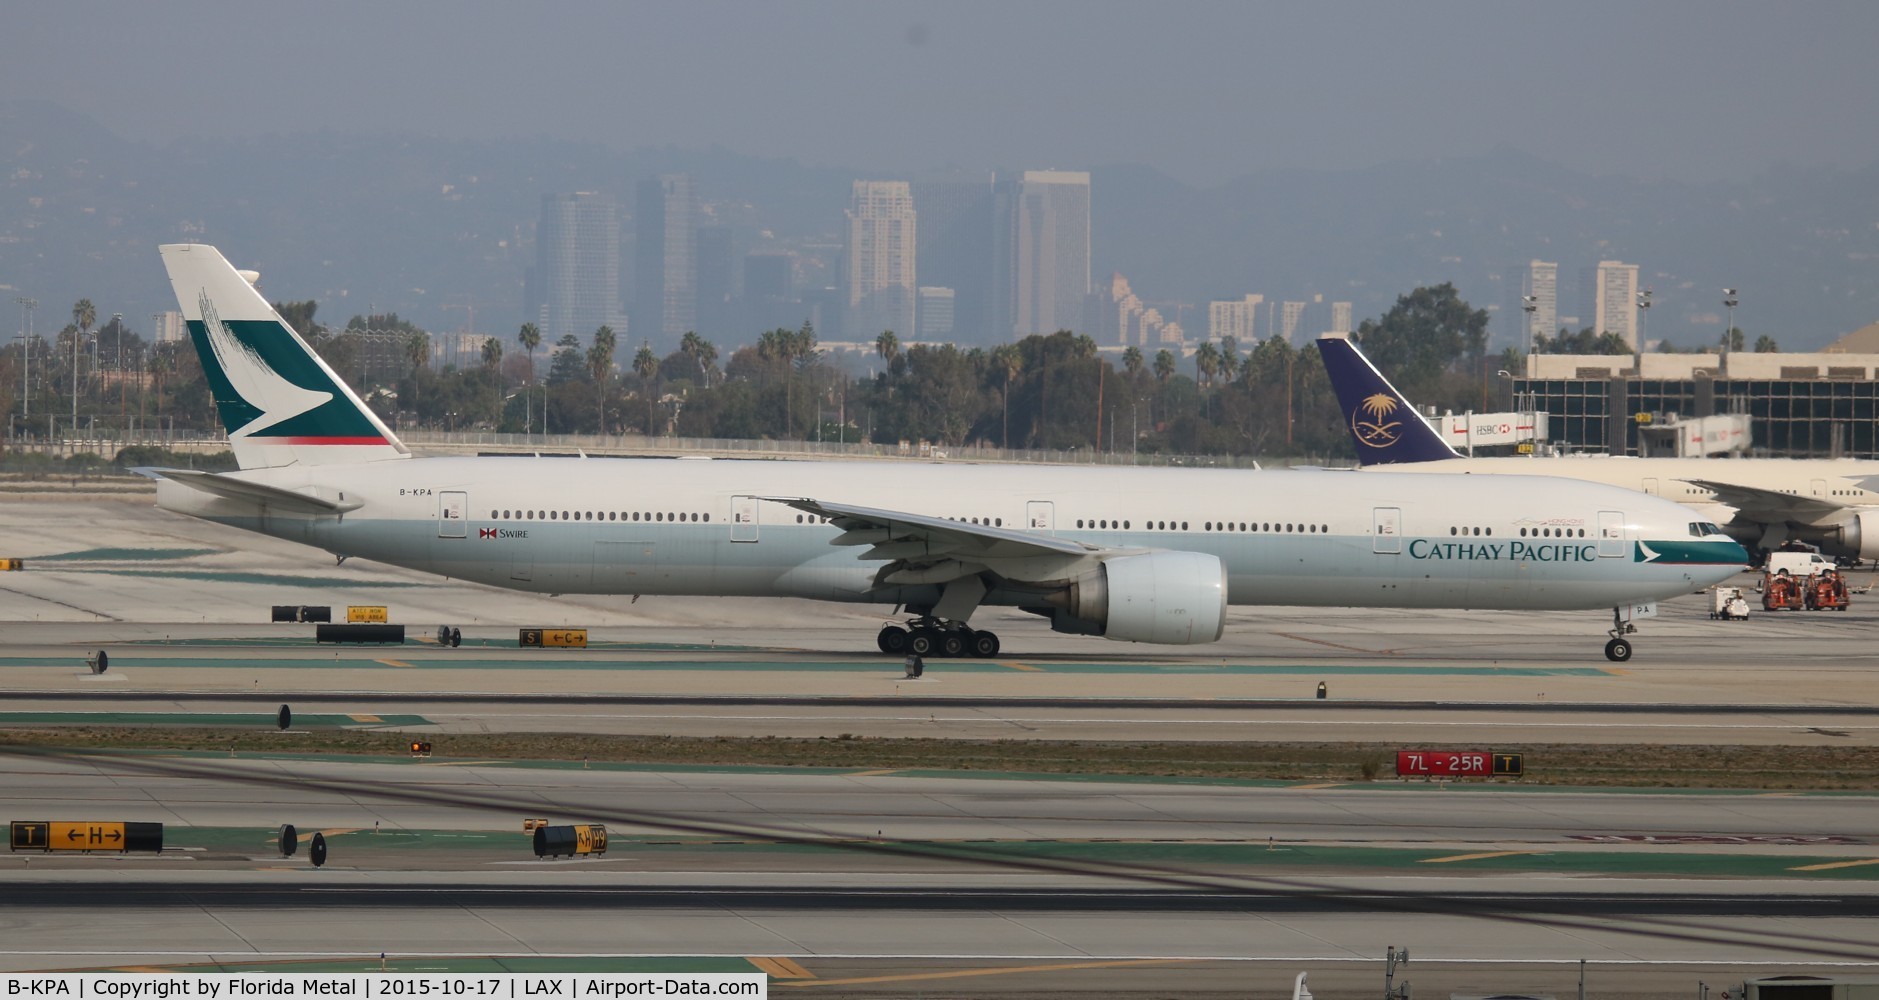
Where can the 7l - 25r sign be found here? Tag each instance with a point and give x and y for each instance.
(1457, 764)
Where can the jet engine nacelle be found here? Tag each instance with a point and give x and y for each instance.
(1173, 598)
(1859, 536)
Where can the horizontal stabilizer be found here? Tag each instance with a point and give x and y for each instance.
(241, 489)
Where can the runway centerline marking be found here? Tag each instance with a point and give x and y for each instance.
(1473, 857)
(1327, 784)
(1015, 665)
(876, 773)
(966, 973)
(391, 662)
(365, 718)
(1836, 864)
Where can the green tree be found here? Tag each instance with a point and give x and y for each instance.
(600, 364)
(530, 337)
(84, 314)
(1765, 344)
(1164, 365)
(703, 353)
(418, 352)
(1132, 360)
(646, 366)
(1424, 337)
(1007, 361)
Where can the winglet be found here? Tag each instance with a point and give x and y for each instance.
(1386, 429)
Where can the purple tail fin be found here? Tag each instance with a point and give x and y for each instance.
(1386, 429)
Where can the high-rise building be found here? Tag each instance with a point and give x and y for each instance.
(935, 317)
(1290, 315)
(953, 246)
(665, 265)
(575, 286)
(717, 283)
(1609, 296)
(769, 292)
(1340, 317)
(1543, 284)
(1040, 252)
(878, 259)
(1236, 318)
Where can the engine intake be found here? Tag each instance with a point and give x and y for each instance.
(1858, 537)
(1172, 598)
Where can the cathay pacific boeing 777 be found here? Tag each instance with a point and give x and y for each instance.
(1142, 554)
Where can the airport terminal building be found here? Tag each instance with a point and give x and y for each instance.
(1820, 405)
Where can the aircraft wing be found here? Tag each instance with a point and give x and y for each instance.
(921, 548)
(242, 489)
(1771, 506)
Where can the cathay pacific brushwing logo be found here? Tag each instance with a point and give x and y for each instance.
(1378, 431)
(258, 384)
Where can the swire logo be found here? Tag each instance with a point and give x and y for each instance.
(486, 532)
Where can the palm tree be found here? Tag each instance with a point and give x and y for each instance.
(1009, 361)
(646, 365)
(530, 337)
(84, 314)
(702, 352)
(599, 363)
(418, 352)
(1206, 362)
(1132, 361)
(887, 346)
(492, 357)
(1164, 365)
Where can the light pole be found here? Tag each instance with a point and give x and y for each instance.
(26, 343)
(1728, 333)
(1644, 306)
(117, 362)
(1530, 304)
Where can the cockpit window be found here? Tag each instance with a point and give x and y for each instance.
(1702, 529)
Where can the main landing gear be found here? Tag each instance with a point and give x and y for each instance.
(1618, 650)
(934, 637)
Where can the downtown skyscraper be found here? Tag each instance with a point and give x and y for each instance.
(1040, 252)
(575, 285)
(665, 260)
(878, 260)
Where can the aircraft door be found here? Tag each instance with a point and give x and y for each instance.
(1650, 486)
(1386, 530)
(744, 519)
(1820, 487)
(1041, 515)
(453, 511)
(1611, 534)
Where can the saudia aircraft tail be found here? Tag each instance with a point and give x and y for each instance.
(279, 402)
(1386, 429)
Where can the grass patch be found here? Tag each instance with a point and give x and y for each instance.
(1633, 766)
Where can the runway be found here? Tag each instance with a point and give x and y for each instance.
(902, 881)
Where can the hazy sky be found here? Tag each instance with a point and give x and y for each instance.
(1205, 91)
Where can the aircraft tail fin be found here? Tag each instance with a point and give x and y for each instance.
(278, 400)
(1386, 429)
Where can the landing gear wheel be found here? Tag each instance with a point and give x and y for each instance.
(921, 642)
(1618, 650)
(984, 645)
(952, 644)
(892, 640)
(456, 637)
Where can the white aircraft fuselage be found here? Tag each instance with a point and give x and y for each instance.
(673, 526)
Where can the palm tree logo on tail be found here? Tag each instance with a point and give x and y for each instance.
(1376, 432)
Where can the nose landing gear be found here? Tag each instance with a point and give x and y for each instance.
(1618, 650)
(936, 637)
